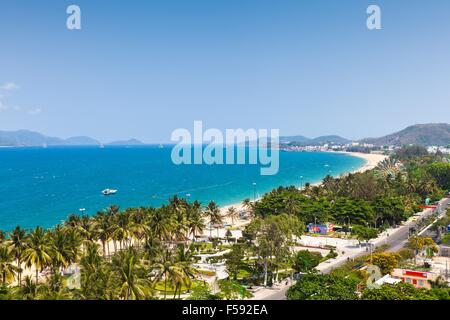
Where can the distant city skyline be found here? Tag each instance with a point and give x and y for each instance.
(144, 69)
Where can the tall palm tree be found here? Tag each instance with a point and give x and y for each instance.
(139, 227)
(307, 189)
(196, 224)
(178, 205)
(187, 272)
(72, 221)
(38, 251)
(17, 242)
(165, 267)
(212, 211)
(112, 210)
(103, 230)
(249, 206)
(127, 271)
(389, 169)
(7, 268)
(94, 274)
(233, 214)
(121, 229)
(63, 248)
(180, 229)
(86, 228)
(159, 223)
(29, 290)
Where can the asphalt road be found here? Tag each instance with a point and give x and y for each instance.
(278, 294)
(397, 240)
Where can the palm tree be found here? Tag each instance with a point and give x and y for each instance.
(17, 242)
(63, 248)
(249, 206)
(91, 257)
(215, 218)
(166, 267)
(389, 169)
(7, 269)
(112, 210)
(180, 224)
(54, 289)
(233, 214)
(127, 271)
(121, 229)
(196, 224)
(29, 290)
(139, 227)
(94, 274)
(86, 228)
(307, 188)
(72, 221)
(160, 224)
(38, 251)
(103, 230)
(185, 257)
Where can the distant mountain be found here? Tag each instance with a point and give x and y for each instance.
(330, 140)
(303, 141)
(27, 138)
(431, 134)
(82, 141)
(298, 139)
(131, 142)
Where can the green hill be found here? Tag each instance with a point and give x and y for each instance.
(431, 134)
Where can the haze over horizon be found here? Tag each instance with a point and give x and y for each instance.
(140, 71)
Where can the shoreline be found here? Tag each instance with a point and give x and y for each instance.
(371, 161)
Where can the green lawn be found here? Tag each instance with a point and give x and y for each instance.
(171, 289)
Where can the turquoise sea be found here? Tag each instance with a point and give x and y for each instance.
(43, 186)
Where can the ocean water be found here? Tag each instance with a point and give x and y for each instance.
(43, 186)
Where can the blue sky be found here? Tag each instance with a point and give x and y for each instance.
(144, 68)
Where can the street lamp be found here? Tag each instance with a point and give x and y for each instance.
(254, 191)
(315, 224)
(82, 210)
(188, 195)
(348, 225)
(301, 182)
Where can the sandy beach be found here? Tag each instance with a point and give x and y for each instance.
(372, 160)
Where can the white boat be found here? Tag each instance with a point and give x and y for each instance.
(108, 192)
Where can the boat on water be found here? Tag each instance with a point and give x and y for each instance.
(108, 192)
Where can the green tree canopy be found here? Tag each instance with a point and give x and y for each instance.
(323, 287)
